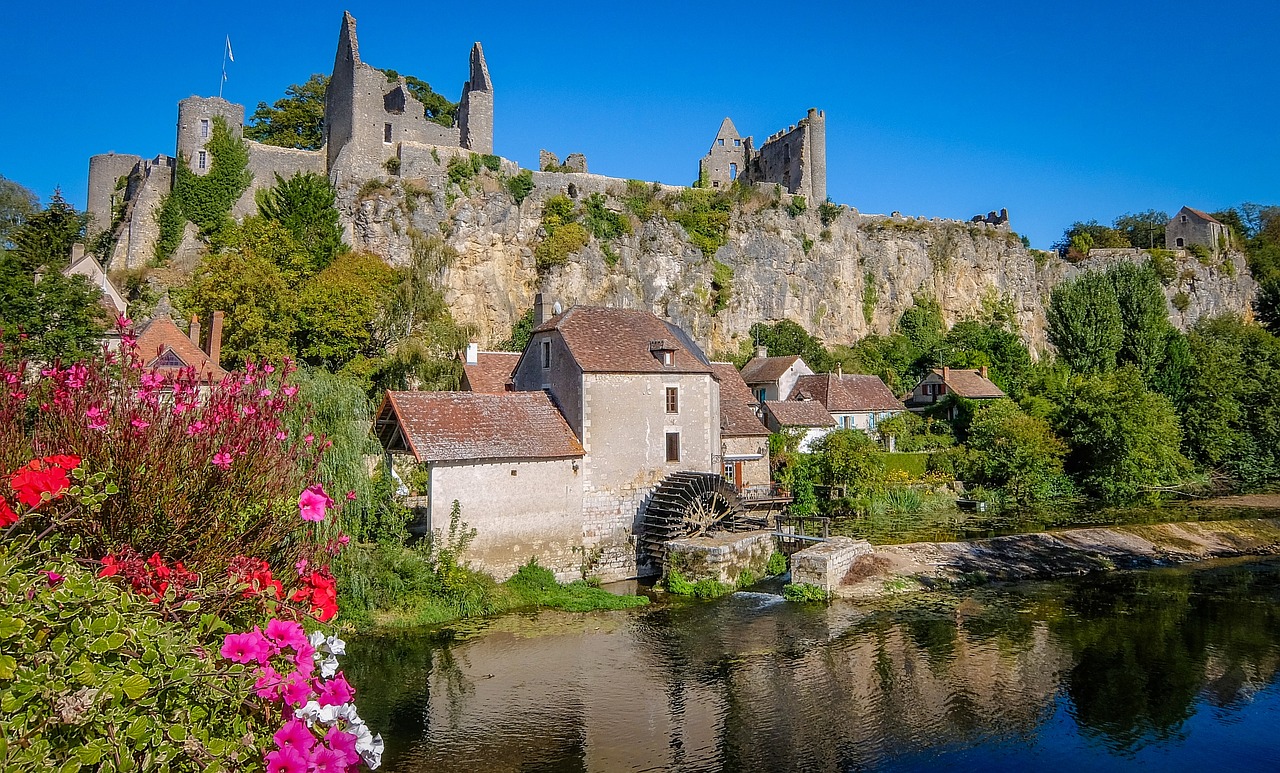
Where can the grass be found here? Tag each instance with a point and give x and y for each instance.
(914, 464)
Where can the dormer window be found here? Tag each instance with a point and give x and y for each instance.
(663, 350)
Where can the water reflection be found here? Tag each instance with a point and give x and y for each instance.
(1115, 670)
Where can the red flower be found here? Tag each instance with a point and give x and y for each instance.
(7, 516)
(65, 461)
(36, 479)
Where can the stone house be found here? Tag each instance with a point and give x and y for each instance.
(86, 265)
(773, 378)
(1191, 226)
(744, 439)
(809, 417)
(854, 401)
(487, 371)
(971, 384)
(510, 462)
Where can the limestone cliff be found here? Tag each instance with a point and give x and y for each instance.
(842, 279)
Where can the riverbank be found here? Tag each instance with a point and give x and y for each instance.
(926, 565)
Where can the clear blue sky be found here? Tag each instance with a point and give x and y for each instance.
(1060, 112)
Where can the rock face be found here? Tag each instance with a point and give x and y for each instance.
(842, 279)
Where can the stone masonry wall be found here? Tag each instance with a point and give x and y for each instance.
(105, 170)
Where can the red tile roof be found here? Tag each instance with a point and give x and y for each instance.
(1203, 215)
(490, 373)
(969, 383)
(737, 404)
(847, 393)
(604, 340)
(799, 413)
(766, 370)
(458, 426)
(160, 337)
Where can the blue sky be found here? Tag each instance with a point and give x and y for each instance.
(1063, 112)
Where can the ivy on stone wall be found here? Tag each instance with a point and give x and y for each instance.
(204, 200)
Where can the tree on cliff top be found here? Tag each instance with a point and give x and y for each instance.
(295, 121)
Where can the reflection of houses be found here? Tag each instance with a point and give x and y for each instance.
(509, 460)
(743, 437)
(166, 349)
(772, 378)
(808, 417)
(487, 371)
(854, 401)
(1191, 226)
(635, 392)
(960, 382)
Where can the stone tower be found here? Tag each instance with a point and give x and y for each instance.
(795, 158)
(108, 183)
(195, 128)
(729, 155)
(475, 113)
(816, 154)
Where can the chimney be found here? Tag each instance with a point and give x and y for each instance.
(541, 309)
(982, 371)
(762, 352)
(215, 338)
(473, 353)
(946, 373)
(839, 370)
(195, 331)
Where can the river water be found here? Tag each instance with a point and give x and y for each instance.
(1168, 670)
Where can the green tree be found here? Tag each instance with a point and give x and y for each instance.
(1144, 316)
(784, 338)
(1124, 439)
(304, 204)
(849, 458)
(1081, 237)
(521, 332)
(1016, 452)
(296, 120)
(17, 203)
(338, 310)
(45, 239)
(972, 344)
(1085, 324)
(1144, 230)
(922, 324)
(257, 297)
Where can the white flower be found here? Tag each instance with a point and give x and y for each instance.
(328, 666)
(336, 646)
(347, 711)
(309, 712)
(364, 738)
(317, 639)
(373, 755)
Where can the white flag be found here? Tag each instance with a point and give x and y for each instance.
(230, 55)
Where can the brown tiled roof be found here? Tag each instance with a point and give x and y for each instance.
(457, 426)
(765, 370)
(161, 336)
(491, 372)
(1204, 215)
(847, 393)
(737, 404)
(606, 340)
(969, 383)
(799, 413)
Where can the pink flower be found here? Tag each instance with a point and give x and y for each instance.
(196, 427)
(325, 760)
(296, 690)
(287, 761)
(152, 380)
(286, 633)
(295, 735)
(268, 368)
(289, 391)
(268, 684)
(222, 459)
(301, 566)
(343, 743)
(54, 577)
(313, 502)
(343, 539)
(97, 418)
(309, 439)
(351, 496)
(243, 647)
(282, 436)
(305, 660)
(335, 691)
(264, 393)
(140, 423)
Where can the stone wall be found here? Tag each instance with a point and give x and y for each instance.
(755, 472)
(520, 509)
(826, 563)
(265, 162)
(136, 237)
(723, 557)
(105, 172)
(1193, 229)
(796, 158)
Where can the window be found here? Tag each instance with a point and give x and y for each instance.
(668, 357)
(737, 143)
(203, 160)
(760, 393)
(728, 472)
(1184, 218)
(673, 399)
(204, 128)
(673, 446)
(386, 132)
(1181, 242)
(546, 353)
(733, 171)
(720, 143)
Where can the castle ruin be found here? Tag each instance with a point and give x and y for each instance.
(795, 158)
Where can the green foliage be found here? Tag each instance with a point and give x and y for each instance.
(258, 299)
(1017, 453)
(913, 434)
(520, 186)
(44, 239)
(641, 199)
(1082, 237)
(556, 248)
(805, 593)
(335, 407)
(784, 338)
(870, 296)
(17, 203)
(1085, 323)
(850, 460)
(170, 222)
(1200, 253)
(777, 564)
(97, 677)
(922, 325)
(392, 165)
(914, 465)
(205, 200)
(295, 121)
(706, 588)
(521, 332)
(1144, 230)
(721, 287)
(602, 222)
(338, 311)
(797, 206)
(829, 211)
(304, 205)
(704, 215)
(536, 586)
(1162, 262)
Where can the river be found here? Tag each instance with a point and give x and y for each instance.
(1168, 670)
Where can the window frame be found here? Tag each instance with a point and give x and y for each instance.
(204, 128)
(202, 159)
(668, 447)
(673, 400)
(545, 348)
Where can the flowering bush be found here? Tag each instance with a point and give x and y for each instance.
(205, 471)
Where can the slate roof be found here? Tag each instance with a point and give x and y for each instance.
(461, 426)
(969, 383)
(160, 337)
(847, 393)
(604, 340)
(799, 413)
(490, 373)
(765, 370)
(1203, 215)
(737, 405)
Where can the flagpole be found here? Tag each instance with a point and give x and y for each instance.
(223, 82)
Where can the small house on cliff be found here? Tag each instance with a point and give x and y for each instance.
(939, 383)
(1191, 226)
(772, 378)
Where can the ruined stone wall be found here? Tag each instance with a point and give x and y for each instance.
(136, 236)
(796, 159)
(520, 509)
(265, 162)
(105, 172)
(475, 111)
(730, 156)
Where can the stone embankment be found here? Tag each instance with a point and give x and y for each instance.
(925, 565)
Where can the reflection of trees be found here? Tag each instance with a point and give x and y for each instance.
(1146, 644)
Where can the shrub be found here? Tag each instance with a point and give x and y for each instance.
(706, 588)
(1182, 301)
(805, 593)
(640, 199)
(392, 165)
(870, 297)
(556, 248)
(704, 215)
(520, 186)
(797, 206)
(1201, 253)
(828, 211)
(603, 223)
(1163, 264)
(777, 564)
(721, 287)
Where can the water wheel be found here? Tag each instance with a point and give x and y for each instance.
(688, 504)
